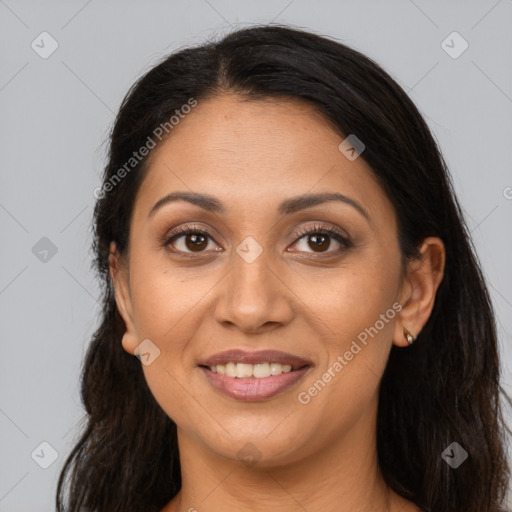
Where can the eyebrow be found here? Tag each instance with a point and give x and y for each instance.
(286, 207)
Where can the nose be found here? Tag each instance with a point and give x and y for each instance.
(253, 297)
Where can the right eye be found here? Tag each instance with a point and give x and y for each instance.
(189, 239)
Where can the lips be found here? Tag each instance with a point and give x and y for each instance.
(290, 369)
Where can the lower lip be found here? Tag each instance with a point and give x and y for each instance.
(252, 389)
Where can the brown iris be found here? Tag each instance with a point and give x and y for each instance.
(195, 241)
(319, 241)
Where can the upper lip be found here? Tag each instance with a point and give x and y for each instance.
(261, 356)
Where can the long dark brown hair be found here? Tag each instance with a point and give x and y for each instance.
(444, 388)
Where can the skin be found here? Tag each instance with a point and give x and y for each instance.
(293, 297)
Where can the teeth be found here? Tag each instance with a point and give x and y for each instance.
(231, 370)
(261, 370)
(243, 370)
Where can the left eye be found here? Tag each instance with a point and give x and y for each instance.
(319, 239)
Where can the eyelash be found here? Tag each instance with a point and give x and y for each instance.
(309, 230)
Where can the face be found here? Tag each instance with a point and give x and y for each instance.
(318, 283)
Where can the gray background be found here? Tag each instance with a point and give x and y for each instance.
(56, 113)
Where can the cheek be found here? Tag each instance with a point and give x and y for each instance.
(164, 299)
(351, 300)
(168, 310)
(357, 314)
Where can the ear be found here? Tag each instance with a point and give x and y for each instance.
(418, 292)
(119, 273)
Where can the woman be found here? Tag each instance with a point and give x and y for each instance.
(293, 314)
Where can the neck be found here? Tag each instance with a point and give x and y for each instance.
(343, 476)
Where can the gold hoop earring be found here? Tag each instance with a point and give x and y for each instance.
(409, 336)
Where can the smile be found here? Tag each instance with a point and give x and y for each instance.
(254, 376)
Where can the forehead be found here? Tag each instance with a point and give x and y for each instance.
(252, 154)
